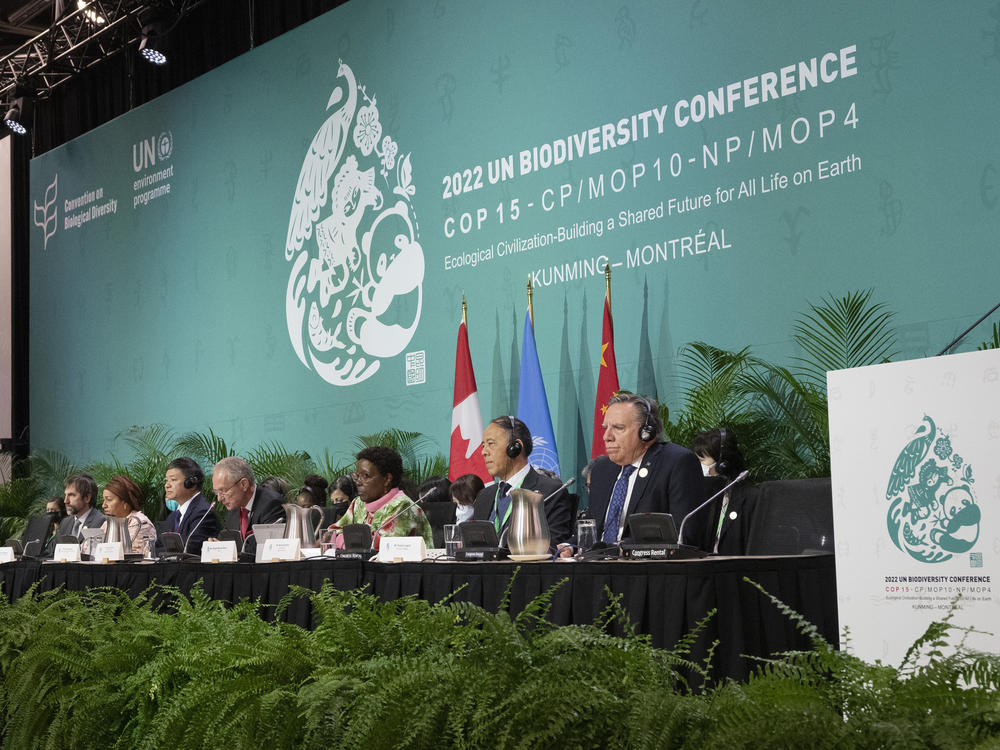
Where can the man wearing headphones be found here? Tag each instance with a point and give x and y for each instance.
(193, 519)
(506, 447)
(641, 474)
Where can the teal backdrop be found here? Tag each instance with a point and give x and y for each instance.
(278, 250)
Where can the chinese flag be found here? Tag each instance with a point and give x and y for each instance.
(607, 378)
(466, 419)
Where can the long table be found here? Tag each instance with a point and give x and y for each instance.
(663, 599)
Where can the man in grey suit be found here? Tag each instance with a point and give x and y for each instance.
(79, 494)
(247, 503)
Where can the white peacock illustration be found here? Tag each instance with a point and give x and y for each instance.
(355, 290)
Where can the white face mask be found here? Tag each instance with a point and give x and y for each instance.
(707, 468)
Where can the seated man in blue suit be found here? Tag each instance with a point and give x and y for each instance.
(641, 473)
(193, 519)
(506, 447)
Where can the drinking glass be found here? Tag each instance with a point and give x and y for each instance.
(327, 541)
(586, 534)
(452, 539)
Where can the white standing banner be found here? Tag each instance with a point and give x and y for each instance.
(915, 462)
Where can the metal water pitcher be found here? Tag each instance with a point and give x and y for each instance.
(528, 533)
(298, 523)
(116, 530)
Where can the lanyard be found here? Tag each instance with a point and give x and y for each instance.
(497, 522)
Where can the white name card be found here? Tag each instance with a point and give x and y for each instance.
(6, 554)
(218, 552)
(402, 548)
(109, 551)
(280, 549)
(67, 553)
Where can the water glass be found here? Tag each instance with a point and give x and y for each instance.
(452, 539)
(586, 533)
(327, 541)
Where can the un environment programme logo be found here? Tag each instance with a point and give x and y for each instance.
(933, 513)
(46, 216)
(357, 267)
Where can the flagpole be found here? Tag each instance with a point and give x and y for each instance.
(531, 309)
(465, 310)
(607, 282)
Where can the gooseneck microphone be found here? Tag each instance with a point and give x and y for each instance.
(197, 525)
(743, 475)
(409, 504)
(565, 484)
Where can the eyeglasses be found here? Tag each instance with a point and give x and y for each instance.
(363, 476)
(224, 491)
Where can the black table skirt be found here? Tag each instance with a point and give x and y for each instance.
(662, 599)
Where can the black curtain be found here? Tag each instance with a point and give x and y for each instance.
(213, 33)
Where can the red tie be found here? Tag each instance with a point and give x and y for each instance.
(244, 522)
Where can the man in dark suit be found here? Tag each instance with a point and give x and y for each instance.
(79, 494)
(247, 503)
(506, 447)
(641, 474)
(194, 519)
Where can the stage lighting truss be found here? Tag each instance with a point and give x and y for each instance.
(92, 32)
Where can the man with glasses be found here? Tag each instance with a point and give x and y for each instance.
(247, 503)
(193, 518)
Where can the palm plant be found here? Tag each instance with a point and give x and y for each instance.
(205, 448)
(414, 448)
(781, 412)
(993, 343)
(19, 497)
(274, 460)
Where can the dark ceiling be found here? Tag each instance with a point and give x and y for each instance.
(20, 20)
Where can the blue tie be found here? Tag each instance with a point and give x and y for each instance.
(503, 503)
(616, 507)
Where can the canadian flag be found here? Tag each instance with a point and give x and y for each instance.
(466, 419)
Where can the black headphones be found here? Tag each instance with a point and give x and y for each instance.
(192, 480)
(722, 464)
(647, 431)
(514, 445)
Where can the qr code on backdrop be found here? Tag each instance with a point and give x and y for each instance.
(416, 368)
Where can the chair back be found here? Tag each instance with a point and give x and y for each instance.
(792, 516)
(40, 527)
(439, 513)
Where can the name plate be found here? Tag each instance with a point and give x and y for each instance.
(67, 553)
(218, 552)
(280, 549)
(402, 549)
(109, 551)
(6, 554)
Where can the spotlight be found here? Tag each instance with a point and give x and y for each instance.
(19, 115)
(13, 120)
(155, 28)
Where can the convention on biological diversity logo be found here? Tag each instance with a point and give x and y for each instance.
(357, 266)
(933, 513)
(46, 215)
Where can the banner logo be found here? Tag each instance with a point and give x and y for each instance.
(355, 290)
(933, 513)
(147, 152)
(46, 216)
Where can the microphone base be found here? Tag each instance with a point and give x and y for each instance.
(646, 551)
